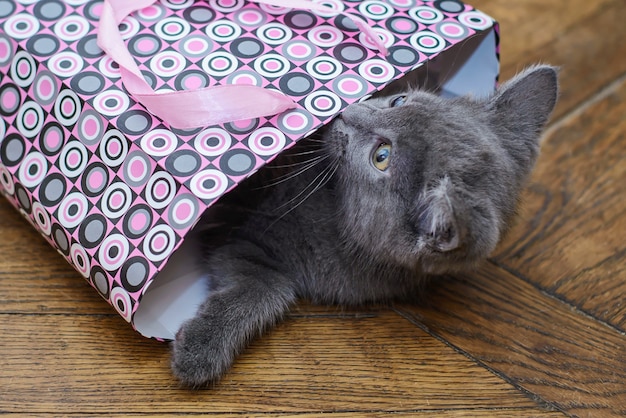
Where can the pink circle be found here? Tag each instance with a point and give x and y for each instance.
(68, 107)
(274, 33)
(245, 79)
(145, 45)
(294, 120)
(158, 243)
(272, 65)
(429, 42)
(137, 168)
(53, 139)
(299, 50)
(161, 189)
(9, 100)
(172, 28)
(377, 9)
(23, 68)
(117, 199)
(427, 14)
(324, 67)
(90, 127)
(242, 124)
(138, 221)
(4, 50)
(323, 103)
(30, 118)
(73, 158)
(183, 210)
(403, 25)
(350, 86)
(195, 46)
(150, 11)
(193, 82)
(249, 17)
(220, 63)
(114, 147)
(223, 30)
(95, 180)
(45, 87)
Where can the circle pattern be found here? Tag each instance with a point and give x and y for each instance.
(72, 210)
(160, 190)
(113, 148)
(159, 142)
(45, 88)
(33, 169)
(212, 142)
(67, 107)
(116, 200)
(137, 169)
(23, 69)
(323, 103)
(427, 42)
(30, 119)
(183, 211)
(209, 184)
(80, 259)
(113, 251)
(267, 141)
(73, 159)
(92, 230)
(219, 64)
(159, 243)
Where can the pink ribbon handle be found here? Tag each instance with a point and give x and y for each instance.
(189, 109)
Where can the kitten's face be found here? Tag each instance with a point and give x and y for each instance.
(432, 184)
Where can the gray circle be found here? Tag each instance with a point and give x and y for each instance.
(299, 85)
(249, 48)
(43, 45)
(14, 150)
(94, 230)
(6, 8)
(61, 240)
(54, 190)
(185, 163)
(101, 282)
(404, 56)
(90, 84)
(450, 6)
(90, 47)
(352, 53)
(201, 15)
(136, 122)
(136, 274)
(240, 162)
(50, 10)
(23, 199)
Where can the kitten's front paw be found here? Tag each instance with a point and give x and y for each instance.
(198, 356)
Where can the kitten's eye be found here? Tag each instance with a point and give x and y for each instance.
(381, 156)
(397, 101)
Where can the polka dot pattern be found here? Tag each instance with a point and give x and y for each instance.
(113, 188)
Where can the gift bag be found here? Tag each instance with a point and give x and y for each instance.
(123, 121)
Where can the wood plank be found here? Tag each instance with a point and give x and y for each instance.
(536, 342)
(570, 239)
(90, 364)
(584, 38)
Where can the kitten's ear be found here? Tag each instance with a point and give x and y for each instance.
(523, 105)
(437, 222)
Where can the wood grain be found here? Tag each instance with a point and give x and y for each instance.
(357, 363)
(584, 38)
(538, 332)
(535, 341)
(570, 240)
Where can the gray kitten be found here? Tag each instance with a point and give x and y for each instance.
(394, 190)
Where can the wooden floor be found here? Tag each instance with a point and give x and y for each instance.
(540, 330)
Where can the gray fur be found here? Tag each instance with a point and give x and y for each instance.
(343, 232)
